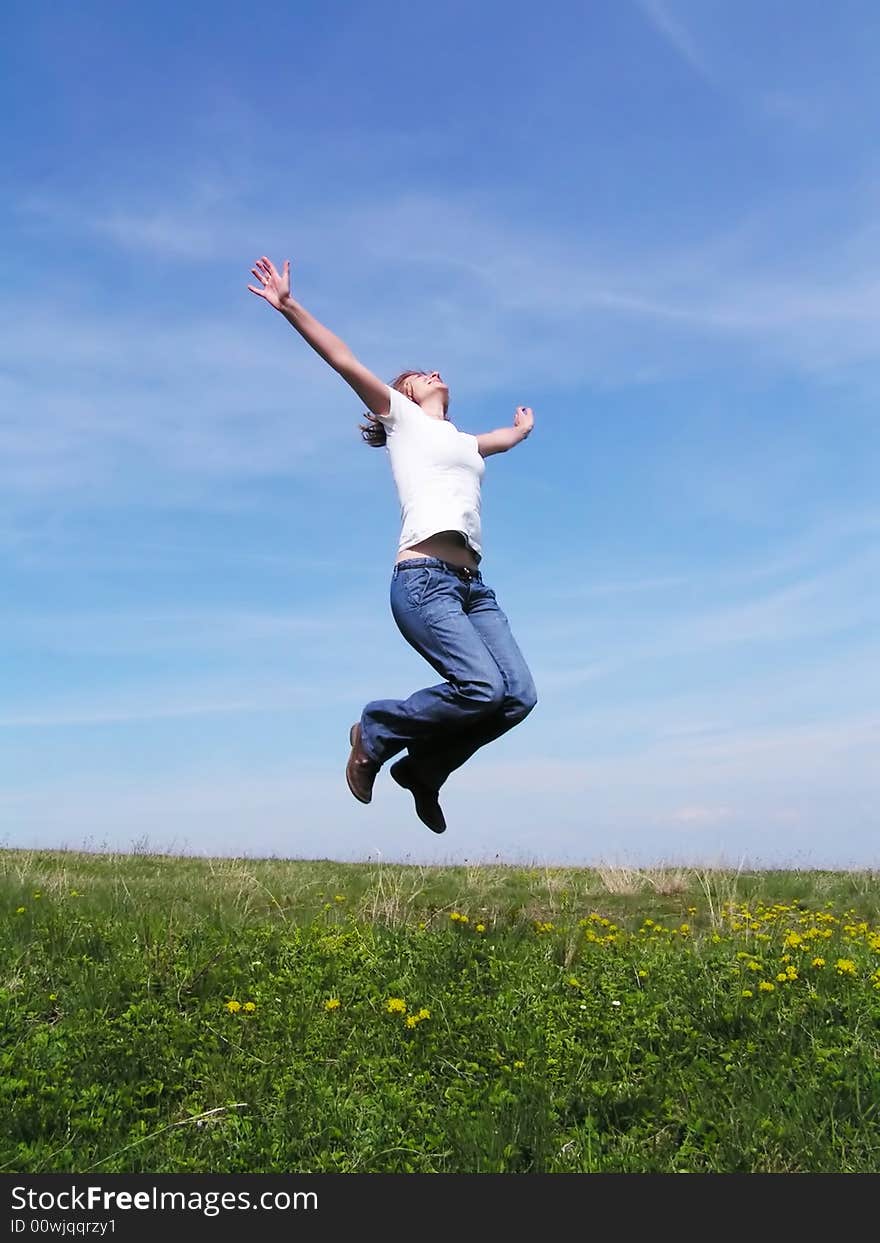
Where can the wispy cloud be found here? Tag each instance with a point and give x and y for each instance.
(817, 606)
(699, 816)
(61, 718)
(179, 696)
(132, 631)
(676, 35)
(228, 396)
(795, 758)
(830, 538)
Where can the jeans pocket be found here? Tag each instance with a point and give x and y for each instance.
(417, 584)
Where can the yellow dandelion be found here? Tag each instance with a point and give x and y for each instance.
(782, 977)
(339, 897)
(754, 966)
(455, 916)
(845, 966)
(395, 1005)
(249, 1006)
(423, 1014)
(20, 910)
(412, 1020)
(233, 1006)
(747, 992)
(684, 929)
(519, 1065)
(574, 981)
(643, 975)
(766, 987)
(480, 928)
(332, 1003)
(818, 962)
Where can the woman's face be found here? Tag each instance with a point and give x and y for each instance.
(423, 384)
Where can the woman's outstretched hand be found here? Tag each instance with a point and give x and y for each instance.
(274, 286)
(524, 420)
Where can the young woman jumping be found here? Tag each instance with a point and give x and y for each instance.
(439, 601)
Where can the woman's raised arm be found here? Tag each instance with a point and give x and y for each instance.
(274, 288)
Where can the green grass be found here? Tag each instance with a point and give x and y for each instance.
(168, 1014)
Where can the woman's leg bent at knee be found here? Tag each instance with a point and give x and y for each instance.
(434, 762)
(429, 606)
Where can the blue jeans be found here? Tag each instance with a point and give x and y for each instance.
(451, 618)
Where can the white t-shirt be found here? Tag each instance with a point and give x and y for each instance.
(437, 470)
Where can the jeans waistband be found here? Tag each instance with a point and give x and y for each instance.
(421, 563)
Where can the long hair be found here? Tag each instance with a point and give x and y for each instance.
(373, 432)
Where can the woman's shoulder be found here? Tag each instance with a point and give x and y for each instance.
(401, 406)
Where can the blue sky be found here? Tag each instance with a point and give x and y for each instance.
(654, 222)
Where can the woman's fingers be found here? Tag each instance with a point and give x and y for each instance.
(269, 273)
(273, 283)
(266, 270)
(262, 274)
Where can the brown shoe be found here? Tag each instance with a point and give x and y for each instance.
(360, 771)
(427, 801)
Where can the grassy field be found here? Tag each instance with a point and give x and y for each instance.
(232, 1015)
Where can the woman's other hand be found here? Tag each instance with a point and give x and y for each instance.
(274, 286)
(524, 420)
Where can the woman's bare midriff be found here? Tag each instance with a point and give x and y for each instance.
(447, 545)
